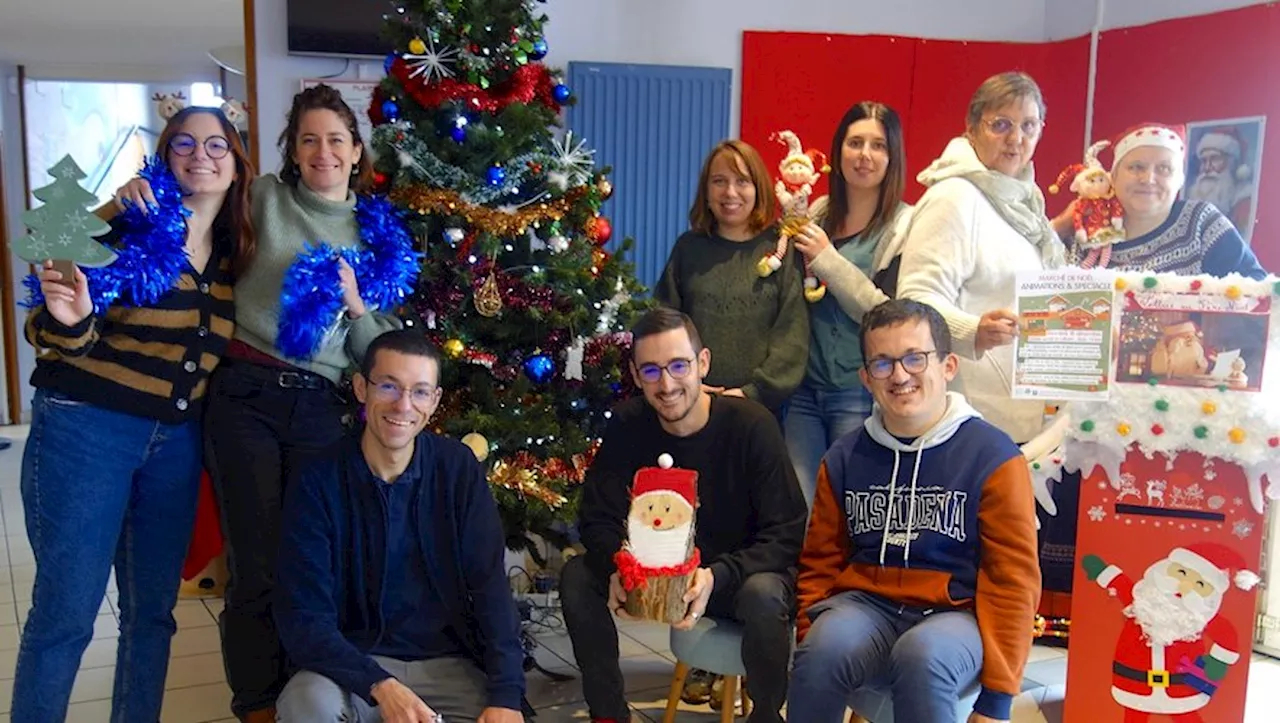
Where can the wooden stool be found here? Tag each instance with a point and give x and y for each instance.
(713, 645)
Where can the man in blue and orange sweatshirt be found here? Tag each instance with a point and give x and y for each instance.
(919, 571)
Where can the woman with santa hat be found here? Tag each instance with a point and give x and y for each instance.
(1161, 233)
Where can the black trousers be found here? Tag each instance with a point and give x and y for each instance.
(261, 426)
(764, 605)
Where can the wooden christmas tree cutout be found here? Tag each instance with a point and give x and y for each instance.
(63, 229)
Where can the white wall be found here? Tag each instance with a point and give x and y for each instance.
(663, 32)
(1127, 13)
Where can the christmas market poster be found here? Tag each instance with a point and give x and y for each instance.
(1064, 335)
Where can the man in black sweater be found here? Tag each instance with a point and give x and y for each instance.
(750, 520)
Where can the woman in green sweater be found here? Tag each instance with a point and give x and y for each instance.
(756, 328)
(268, 413)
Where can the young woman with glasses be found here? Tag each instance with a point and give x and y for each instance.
(269, 413)
(112, 464)
(980, 222)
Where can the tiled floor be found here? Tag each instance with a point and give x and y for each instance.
(197, 691)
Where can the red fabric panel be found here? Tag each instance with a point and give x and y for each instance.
(805, 82)
(206, 538)
(948, 72)
(1203, 68)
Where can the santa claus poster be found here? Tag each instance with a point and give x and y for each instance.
(1223, 162)
(1164, 595)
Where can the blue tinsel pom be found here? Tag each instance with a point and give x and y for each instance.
(386, 268)
(151, 254)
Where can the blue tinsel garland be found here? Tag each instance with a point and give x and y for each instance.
(150, 256)
(386, 268)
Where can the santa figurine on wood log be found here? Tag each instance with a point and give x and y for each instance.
(658, 560)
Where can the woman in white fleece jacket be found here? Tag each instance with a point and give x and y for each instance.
(980, 222)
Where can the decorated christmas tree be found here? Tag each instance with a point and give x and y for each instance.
(517, 286)
(63, 228)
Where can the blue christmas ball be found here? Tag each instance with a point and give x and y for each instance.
(390, 110)
(539, 50)
(459, 134)
(496, 175)
(539, 368)
(386, 64)
(561, 93)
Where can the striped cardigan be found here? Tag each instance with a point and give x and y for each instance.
(151, 362)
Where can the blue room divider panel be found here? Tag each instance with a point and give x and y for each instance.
(653, 124)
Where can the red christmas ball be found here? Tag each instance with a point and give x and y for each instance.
(600, 230)
(1274, 442)
(380, 179)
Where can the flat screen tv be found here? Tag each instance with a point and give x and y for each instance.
(350, 28)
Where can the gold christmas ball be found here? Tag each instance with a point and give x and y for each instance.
(417, 47)
(454, 348)
(478, 444)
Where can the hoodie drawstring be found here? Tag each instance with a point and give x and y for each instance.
(911, 513)
(911, 507)
(884, 539)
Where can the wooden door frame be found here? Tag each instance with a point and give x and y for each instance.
(251, 79)
(8, 324)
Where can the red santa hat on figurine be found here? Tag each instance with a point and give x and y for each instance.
(660, 525)
(1156, 135)
(1227, 141)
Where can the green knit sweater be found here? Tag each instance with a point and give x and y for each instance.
(757, 329)
(286, 219)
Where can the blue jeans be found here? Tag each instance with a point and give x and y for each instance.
(816, 418)
(100, 488)
(926, 659)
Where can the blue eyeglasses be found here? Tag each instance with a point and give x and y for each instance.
(677, 368)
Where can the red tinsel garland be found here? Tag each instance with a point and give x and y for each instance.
(633, 575)
(529, 83)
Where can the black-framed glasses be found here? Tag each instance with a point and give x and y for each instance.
(1002, 126)
(652, 373)
(913, 363)
(420, 395)
(184, 144)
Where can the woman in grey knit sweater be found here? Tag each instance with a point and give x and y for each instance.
(756, 328)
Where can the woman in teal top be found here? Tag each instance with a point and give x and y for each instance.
(852, 246)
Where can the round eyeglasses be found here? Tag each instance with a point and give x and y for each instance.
(184, 144)
(913, 363)
(1031, 127)
(677, 368)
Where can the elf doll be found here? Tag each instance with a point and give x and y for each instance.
(1098, 217)
(799, 170)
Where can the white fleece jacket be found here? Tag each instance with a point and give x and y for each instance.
(960, 257)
